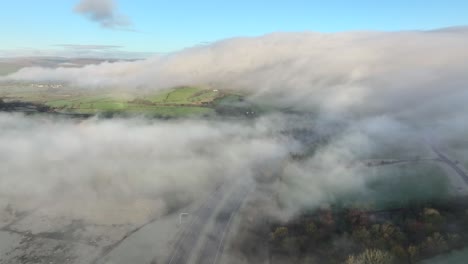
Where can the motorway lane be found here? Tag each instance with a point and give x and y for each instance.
(209, 224)
(215, 237)
(192, 231)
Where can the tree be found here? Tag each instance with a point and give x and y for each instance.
(435, 244)
(311, 228)
(388, 230)
(372, 256)
(279, 233)
(362, 235)
(413, 252)
(399, 251)
(433, 217)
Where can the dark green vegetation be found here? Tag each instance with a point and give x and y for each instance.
(403, 214)
(400, 235)
(174, 102)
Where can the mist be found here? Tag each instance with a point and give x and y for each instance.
(357, 96)
(88, 168)
(92, 165)
(403, 73)
(391, 84)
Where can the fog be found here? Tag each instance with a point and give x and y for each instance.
(88, 168)
(395, 83)
(364, 72)
(358, 96)
(410, 81)
(95, 163)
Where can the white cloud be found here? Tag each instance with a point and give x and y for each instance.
(103, 12)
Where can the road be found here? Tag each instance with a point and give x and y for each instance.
(202, 238)
(383, 162)
(450, 163)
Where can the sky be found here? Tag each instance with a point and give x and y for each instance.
(155, 26)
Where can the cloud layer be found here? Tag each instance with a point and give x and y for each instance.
(351, 71)
(363, 88)
(86, 169)
(103, 12)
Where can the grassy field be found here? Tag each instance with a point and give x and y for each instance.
(397, 186)
(175, 102)
(184, 95)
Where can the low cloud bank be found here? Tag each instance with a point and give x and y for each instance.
(100, 165)
(372, 91)
(121, 161)
(406, 73)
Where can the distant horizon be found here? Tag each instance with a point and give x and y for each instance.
(138, 29)
(116, 52)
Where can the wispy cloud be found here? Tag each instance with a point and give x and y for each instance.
(72, 51)
(88, 47)
(105, 13)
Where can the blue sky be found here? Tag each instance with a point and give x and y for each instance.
(164, 26)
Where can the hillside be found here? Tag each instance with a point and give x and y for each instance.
(172, 102)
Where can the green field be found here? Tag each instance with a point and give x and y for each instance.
(399, 185)
(184, 95)
(174, 102)
(177, 102)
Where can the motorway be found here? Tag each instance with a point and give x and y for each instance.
(202, 238)
(450, 163)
